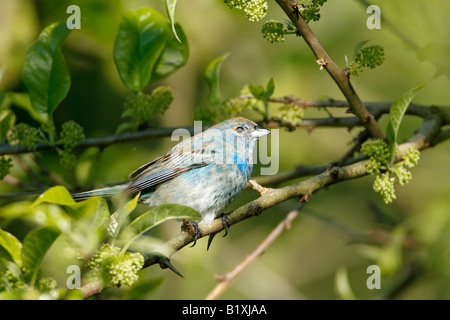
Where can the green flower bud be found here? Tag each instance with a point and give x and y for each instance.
(46, 284)
(116, 268)
(254, 10)
(384, 185)
(291, 113)
(411, 158)
(403, 175)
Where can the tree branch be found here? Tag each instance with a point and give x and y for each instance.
(340, 77)
(375, 108)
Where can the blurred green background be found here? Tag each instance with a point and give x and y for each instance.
(304, 261)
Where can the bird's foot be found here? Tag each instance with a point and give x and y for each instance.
(192, 227)
(226, 225)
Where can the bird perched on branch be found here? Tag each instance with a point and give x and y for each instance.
(205, 172)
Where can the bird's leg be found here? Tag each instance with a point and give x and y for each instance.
(193, 228)
(226, 225)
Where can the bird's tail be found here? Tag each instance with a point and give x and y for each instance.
(103, 192)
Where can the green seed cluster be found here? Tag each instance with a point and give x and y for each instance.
(254, 10)
(26, 135)
(370, 57)
(71, 135)
(205, 115)
(143, 107)
(387, 174)
(273, 31)
(114, 267)
(311, 10)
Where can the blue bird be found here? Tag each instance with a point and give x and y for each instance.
(205, 172)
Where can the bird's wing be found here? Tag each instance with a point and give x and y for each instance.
(177, 161)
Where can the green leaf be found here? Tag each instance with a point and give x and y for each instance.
(88, 221)
(154, 217)
(2, 96)
(45, 72)
(7, 120)
(342, 285)
(358, 47)
(174, 56)
(12, 246)
(58, 195)
(270, 88)
(257, 91)
(397, 112)
(119, 217)
(22, 100)
(35, 246)
(212, 79)
(141, 39)
(170, 8)
(18, 209)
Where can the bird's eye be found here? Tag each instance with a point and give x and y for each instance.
(239, 130)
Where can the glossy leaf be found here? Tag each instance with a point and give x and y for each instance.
(141, 38)
(270, 89)
(45, 72)
(342, 285)
(35, 246)
(155, 217)
(174, 56)
(358, 47)
(22, 100)
(12, 245)
(170, 8)
(57, 195)
(397, 112)
(257, 91)
(212, 79)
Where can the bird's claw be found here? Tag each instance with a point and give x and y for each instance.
(226, 225)
(193, 228)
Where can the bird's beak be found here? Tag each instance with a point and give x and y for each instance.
(260, 132)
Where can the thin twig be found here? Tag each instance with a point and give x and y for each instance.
(227, 278)
(375, 108)
(340, 77)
